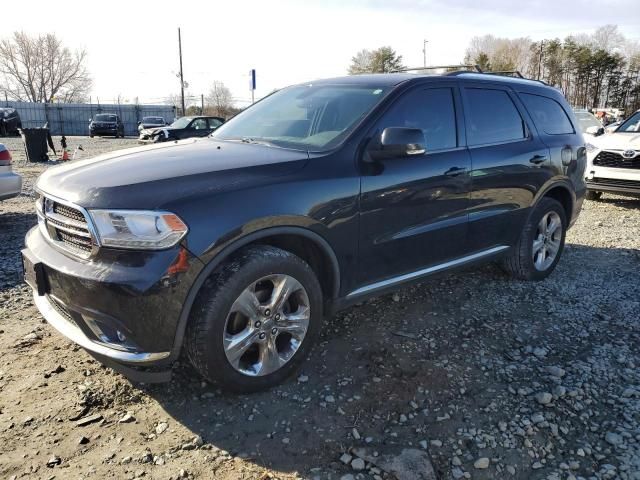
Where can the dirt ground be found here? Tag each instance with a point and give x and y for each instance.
(490, 378)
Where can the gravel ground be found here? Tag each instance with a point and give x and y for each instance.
(473, 374)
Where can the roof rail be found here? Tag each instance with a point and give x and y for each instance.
(506, 73)
(475, 68)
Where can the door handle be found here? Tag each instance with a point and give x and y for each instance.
(538, 159)
(455, 171)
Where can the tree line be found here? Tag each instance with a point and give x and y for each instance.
(600, 70)
(596, 70)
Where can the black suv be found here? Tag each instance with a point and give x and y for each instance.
(106, 124)
(320, 195)
(184, 127)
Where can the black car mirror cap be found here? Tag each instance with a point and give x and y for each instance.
(399, 142)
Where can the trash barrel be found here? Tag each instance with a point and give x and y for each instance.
(35, 143)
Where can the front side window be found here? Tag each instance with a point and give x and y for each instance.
(431, 110)
(631, 124)
(548, 114)
(492, 117)
(307, 117)
(199, 124)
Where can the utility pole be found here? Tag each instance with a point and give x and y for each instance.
(424, 51)
(184, 112)
(540, 59)
(202, 104)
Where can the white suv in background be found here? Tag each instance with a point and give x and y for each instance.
(613, 160)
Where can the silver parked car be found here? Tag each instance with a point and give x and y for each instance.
(10, 182)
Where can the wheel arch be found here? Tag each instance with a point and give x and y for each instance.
(561, 192)
(305, 243)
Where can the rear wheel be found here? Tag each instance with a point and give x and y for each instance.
(255, 320)
(593, 195)
(541, 243)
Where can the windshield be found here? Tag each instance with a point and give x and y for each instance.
(631, 124)
(153, 120)
(308, 117)
(181, 122)
(105, 118)
(587, 120)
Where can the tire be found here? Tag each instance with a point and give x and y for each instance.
(593, 195)
(522, 262)
(91, 136)
(3, 130)
(215, 325)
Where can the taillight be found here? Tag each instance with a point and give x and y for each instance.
(5, 158)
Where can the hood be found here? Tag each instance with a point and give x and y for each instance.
(151, 177)
(616, 141)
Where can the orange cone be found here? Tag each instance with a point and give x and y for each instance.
(65, 155)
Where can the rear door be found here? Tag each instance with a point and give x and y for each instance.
(414, 209)
(509, 164)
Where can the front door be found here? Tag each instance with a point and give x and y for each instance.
(414, 209)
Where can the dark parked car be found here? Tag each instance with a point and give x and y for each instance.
(9, 121)
(184, 127)
(315, 198)
(151, 122)
(106, 124)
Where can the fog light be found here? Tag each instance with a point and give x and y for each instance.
(121, 336)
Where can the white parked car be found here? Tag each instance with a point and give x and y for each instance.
(613, 160)
(10, 182)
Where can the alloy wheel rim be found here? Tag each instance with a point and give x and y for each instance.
(547, 240)
(266, 325)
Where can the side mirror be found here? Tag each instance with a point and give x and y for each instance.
(400, 142)
(595, 130)
(139, 123)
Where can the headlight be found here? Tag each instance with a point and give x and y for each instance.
(138, 229)
(590, 147)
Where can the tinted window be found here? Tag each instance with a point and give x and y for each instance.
(547, 113)
(430, 110)
(492, 117)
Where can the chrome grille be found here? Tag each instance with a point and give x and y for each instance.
(66, 225)
(616, 160)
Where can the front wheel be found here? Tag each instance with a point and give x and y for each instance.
(541, 243)
(593, 195)
(255, 320)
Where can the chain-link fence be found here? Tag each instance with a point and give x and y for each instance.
(73, 118)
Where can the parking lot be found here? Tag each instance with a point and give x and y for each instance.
(486, 377)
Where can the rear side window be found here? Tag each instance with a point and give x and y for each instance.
(492, 117)
(430, 110)
(548, 114)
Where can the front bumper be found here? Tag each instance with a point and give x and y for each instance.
(103, 130)
(120, 305)
(613, 180)
(70, 329)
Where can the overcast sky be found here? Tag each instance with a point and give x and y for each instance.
(133, 47)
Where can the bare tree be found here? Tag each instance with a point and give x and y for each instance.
(41, 69)
(219, 100)
(381, 60)
(499, 53)
(362, 62)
